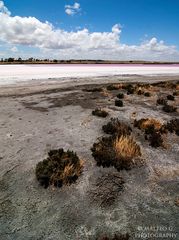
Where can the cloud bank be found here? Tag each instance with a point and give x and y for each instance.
(82, 44)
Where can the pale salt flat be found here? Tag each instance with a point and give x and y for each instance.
(11, 74)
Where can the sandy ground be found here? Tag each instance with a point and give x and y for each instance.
(36, 118)
(10, 74)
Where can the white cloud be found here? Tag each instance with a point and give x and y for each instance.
(4, 9)
(81, 44)
(14, 49)
(72, 9)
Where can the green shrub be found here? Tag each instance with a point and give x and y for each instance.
(169, 108)
(161, 101)
(116, 127)
(147, 94)
(173, 126)
(120, 95)
(119, 103)
(59, 168)
(171, 97)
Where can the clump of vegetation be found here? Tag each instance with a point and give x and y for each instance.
(155, 139)
(153, 129)
(112, 87)
(119, 103)
(173, 126)
(169, 108)
(147, 123)
(100, 113)
(130, 89)
(176, 93)
(140, 92)
(59, 168)
(106, 189)
(120, 152)
(120, 95)
(116, 127)
(161, 101)
(147, 94)
(116, 237)
(171, 97)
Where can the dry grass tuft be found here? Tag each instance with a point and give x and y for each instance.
(59, 168)
(145, 123)
(121, 152)
(126, 148)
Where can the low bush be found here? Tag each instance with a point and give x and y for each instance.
(112, 87)
(173, 126)
(119, 103)
(116, 237)
(116, 127)
(176, 93)
(171, 97)
(161, 101)
(169, 108)
(153, 130)
(147, 94)
(100, 113)
(120, 95)
(59, 168)
(120, 152)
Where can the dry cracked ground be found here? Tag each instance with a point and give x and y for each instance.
(33, 123)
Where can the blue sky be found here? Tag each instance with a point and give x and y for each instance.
(140, 22)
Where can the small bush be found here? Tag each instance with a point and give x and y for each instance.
(116, 127)
(176, 93)
(119, 103)
(155, 139)
(120, 95)
(59, 168)
(147, 124)
(147, 94)
(161, 101)
(100, 113)
(169, 108)
(129, 88)
(171, 97)
(173, 126)
(140, 92)
(112, 87)
(116, 237)
(120, 152)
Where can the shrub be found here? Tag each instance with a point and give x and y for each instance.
(147, 124)
(173, 126)
(120, 95)
(100, 113)
(112, 87)
(147, 94)
(116, 237)
(161, 101)
(140, 92)
(119, 103)
(59, 168)
(117, 127)
(155, 139)
(176, 93)
(129, 88)
(169, 108)
(120, 152)
(153, 129)
(171, 97)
